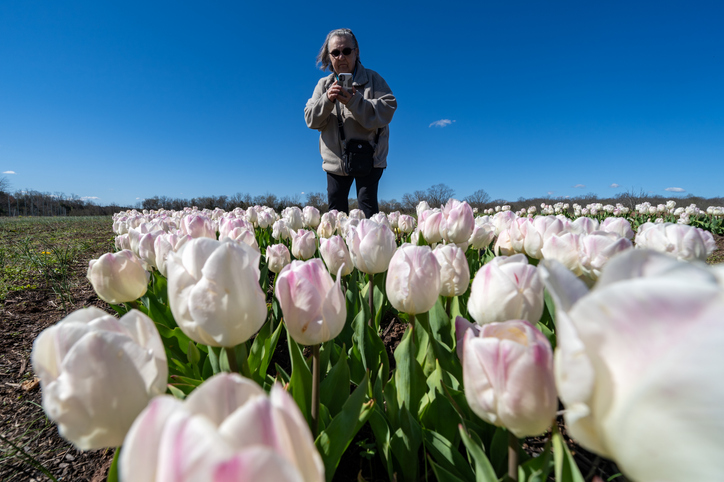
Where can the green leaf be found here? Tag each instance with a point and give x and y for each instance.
(176, 392)
(483, 469)
(441, 474)
(333, 441)
(381, 431)
(332, 390)
(193, 353)
(405, 443)
(113, 471)
(409, 378)
(447, 455)
(565, 467)
(300, 383)
(262, 350)
(214, 359)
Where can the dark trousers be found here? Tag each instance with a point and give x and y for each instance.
(338, 191)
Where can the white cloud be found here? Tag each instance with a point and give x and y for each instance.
(550, 192)
(441, 123)
(90, 197)
(579, 186)
(675, 189)
(615, 185)
(138, 198)
(8, 172)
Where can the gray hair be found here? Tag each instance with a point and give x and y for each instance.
(323, 56)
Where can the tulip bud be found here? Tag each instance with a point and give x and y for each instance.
(454, 270)
(244, 235)
(371, 246)
(293, 218)
(327, 225)
(506, 288)
(214, 292)
(406, 223)
(277, 257)
(118, 277)
(636, 362)
(98, 373)
(313, 305)
(228, 429)
(198, 226)
(508, 377)
(311, 217)
(336, 255)
(304, 244)
(482, 236)
(413, 279)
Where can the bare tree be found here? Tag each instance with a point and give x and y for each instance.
(478, 199)
(439, 194)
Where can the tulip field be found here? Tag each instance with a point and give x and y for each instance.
(558, 342)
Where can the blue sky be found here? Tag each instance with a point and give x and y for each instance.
(125, 100)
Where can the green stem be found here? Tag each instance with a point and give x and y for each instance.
(372, 301)
(315, 390)
(245, 371)
(412, 322)
(231, 356)
(448, 306)
(512, 456)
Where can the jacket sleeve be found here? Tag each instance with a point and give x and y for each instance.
(376, 112)
(319, 107)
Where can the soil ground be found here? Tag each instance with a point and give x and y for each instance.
(43, 264)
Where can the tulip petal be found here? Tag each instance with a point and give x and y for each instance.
(221, 395)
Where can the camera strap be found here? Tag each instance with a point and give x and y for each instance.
(340, 126)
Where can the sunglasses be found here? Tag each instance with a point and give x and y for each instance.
(336, 53)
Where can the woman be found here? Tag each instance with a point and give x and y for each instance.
(365, 112)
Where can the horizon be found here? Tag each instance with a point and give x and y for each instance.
(119, 103)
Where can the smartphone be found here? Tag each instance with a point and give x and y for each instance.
(345, 80)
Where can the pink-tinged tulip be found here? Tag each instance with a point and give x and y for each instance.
(252, 216)
(244, 235)
(381, 218)
(336, 255)
(227, 430)
(584, 225)
(458, 222)
(228, 224)
(264, 219)
(292, 216)
(122, 242)
(165, 244)
(118, 277)
(461, 327)
(597, 248)
(482, 236)
(638, 360)
(313, 305)
(198, 226)
(277, 257)
(680, 240)
(327, 225)
(502, 220)
(421, 207)
(214, 292)
(304, 244)
(371, 246)
(146, 251)
(564, 248)
(280, 230)
(454, 270)
(429, 225)
(393, 218)
(504, 244)
(506, 288)
(311, 217)
(98, 373)
(620, 226)
(357, 214)
(413, 279)
(508, 377)
(406, 223)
